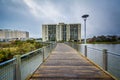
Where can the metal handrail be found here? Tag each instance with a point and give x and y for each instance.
(25, 61)
(7, 62)
(113, 53)
(95, 48)
(30, 53)
(104, 58)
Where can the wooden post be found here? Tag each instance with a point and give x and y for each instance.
(105, 59)
(18, 67)
(85, 50)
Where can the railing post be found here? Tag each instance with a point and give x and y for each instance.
(43, 54)
(105, 59)
(85, 50)
(50, 47)
(17, 67)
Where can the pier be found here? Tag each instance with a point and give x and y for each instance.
(65, 63)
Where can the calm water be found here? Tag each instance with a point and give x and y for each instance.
(94, 53)
(115, 48)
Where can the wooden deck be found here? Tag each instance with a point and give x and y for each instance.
(65, 63)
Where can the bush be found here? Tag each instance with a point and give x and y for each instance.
(8, 50)
(5, 54)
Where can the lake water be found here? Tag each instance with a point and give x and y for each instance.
(95, 53)
(115, 48)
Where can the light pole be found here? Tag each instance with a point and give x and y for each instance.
(85, 18)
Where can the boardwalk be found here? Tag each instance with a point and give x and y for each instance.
(65, 63)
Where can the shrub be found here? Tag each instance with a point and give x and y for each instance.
(17, 47)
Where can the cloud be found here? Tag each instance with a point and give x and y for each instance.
(32, 14)
(44, 11)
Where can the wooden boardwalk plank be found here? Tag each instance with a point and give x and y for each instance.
(65, 63)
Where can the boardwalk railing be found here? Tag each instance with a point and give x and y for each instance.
(109, 61)
(21, 67)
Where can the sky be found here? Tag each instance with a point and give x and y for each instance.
(29, 15)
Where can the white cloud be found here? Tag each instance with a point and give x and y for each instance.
(44, 11)
(50, 11)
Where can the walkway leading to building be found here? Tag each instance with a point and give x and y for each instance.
(65, 63)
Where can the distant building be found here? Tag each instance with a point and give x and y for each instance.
(61, 32)
(8, 35)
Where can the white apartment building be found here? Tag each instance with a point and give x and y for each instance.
(61, 32)
(8, 35)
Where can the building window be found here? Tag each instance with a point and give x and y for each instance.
(52, 32)
(64, 32)
(74, 32)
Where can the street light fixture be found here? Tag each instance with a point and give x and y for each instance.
(85, 18)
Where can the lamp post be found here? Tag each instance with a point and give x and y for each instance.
(85, 18)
